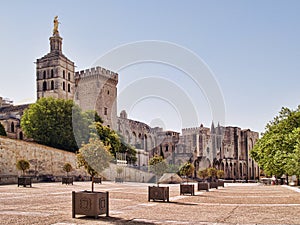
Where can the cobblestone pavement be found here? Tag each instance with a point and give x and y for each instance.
(51, 203)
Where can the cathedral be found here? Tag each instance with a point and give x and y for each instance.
(225, 148)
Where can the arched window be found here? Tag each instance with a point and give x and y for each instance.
(12, 127)
(69, 76)
(64, 74)
(69, 88)
(52, 85)
(44, 86)
(44, 74)
(52, 73)
(64, 86)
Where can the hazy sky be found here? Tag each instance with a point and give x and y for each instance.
(252, 49)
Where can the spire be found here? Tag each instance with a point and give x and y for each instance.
(55, 40)
(212, 128)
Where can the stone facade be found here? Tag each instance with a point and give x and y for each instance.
(96, 89)
(226, 148)
(55, 73)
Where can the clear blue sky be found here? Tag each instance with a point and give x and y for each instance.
(252, 48)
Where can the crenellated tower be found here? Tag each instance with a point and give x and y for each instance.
(54, 71)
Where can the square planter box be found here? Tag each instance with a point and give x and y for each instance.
(67, 180)
(97, 180)
(118, 180)
(213, 185)
(221, 183)
(24, 181)
(158, 193)
(90, 203)
(187, 189)
(203, 186)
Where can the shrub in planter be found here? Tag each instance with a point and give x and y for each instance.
(94, 157)
(158, 166)
(187, 170)
(203, 173)
(119, 179)
(67, 168)
(23, 165)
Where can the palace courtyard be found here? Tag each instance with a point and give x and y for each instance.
(237, 203)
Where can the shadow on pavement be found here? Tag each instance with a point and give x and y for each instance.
(114, 220)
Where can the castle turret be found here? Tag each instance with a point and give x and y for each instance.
(54, 71)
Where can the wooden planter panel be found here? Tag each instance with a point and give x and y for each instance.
(158, 193)
(187, 189)
(24, 181)
(97, 180)
(90, 203)
(67, 180)
(221, 183)
(203, 186)
(118, 180)
(213, 185)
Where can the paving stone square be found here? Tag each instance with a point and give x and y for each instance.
(51, 203)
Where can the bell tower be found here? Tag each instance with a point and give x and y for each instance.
(54, 71)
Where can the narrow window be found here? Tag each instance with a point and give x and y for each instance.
(69, 76)
(69, 88)
(105, 111)
(52, 85)
(64, 86)
(64, 74)
(108, 92)
(44, 86)
(44, 74)
(12, 127)
(21, 135)
(52, 73)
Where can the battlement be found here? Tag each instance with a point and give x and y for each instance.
(190, 130)
(96, 71)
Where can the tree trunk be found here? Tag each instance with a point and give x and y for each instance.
(92, 183)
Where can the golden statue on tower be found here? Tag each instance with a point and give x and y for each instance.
(55, 28)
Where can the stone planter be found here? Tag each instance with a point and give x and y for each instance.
(213, 185)
(118, 180)
(221, 183)
(158, 193)
(187, 189)
(67, 180)
(90, 203)
(203, 186)
(24, 181)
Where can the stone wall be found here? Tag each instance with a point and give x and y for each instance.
(45, 160)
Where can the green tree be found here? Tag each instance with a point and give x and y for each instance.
(203, 173)
(212, 173)
(115, 142)
(158, 166)
(94, 157)
(276, 151)
(220, 174)
(67, 168)
(2, 130)
(57, 123)
(187, 170)
(23, 165)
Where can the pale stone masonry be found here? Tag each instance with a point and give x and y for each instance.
(226, 148)
(96, 89)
